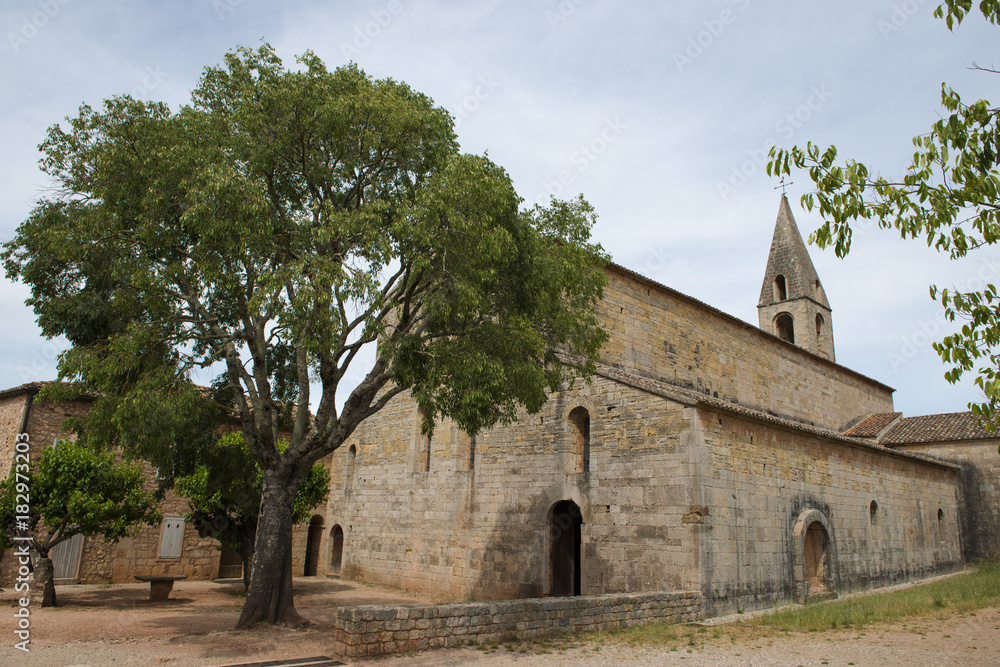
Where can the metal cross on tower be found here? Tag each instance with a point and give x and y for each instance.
(782, 185)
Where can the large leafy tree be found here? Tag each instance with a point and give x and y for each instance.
(73, 490)
(273, 228)
(224, 493)
(948, 197)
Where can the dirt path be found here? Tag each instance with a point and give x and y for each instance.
(117, 625)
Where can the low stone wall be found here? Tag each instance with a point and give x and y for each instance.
(371, 630)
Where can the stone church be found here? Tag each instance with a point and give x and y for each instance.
(706, 454)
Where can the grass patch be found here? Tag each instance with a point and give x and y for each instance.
(964, 593)
(961, 595)
(653, 634)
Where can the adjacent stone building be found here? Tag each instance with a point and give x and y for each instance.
(706, 454)
(958, 438)
(173, 547)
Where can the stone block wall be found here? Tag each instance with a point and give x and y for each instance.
(484, 532)
(757, 480)
(667, 336)
(370, 630)
(12, 413)
(140, 554)
(980, 506)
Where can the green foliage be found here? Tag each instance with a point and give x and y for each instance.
(948, 196)
(273, 228)
(76, 490)
(224, 492)
(276, 225)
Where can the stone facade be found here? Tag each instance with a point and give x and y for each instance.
(961, 439)
(705, 455)
(664, 335)
(712, 459)
(758, 480)
(980, 503)
(98, 561)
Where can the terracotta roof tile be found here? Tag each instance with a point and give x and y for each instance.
(872, 425)
(938, 428)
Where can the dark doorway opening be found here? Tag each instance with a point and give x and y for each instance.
(230, 564)
(565, 537)
(337, 550)
(312, 545)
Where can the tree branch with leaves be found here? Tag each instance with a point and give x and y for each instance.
(948, 197)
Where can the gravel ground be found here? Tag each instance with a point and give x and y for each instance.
(117, 625)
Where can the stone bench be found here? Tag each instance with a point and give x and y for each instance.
(160, 585)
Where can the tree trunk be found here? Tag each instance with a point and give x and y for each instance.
(43, 588)
(246, 552)
(269, 596)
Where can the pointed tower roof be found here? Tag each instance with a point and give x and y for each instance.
(790, 258)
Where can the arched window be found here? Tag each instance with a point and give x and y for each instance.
(352, 459)
(580, 420)
(873, 512)
(467, 461)
(337, 549)
(422, 453)
(780, 288)
(819, 325)
(784, 327)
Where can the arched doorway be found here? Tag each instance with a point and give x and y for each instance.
(312, 546)
(565, 536)
(337, 550)
(814, 558)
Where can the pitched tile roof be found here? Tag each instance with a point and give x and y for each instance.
(872, 425)
(938, 428)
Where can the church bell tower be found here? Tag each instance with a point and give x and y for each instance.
(793, 304)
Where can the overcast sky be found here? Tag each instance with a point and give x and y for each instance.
(658, 113)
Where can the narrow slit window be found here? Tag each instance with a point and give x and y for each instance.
(580, 420)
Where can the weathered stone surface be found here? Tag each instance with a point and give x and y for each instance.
(461, 623)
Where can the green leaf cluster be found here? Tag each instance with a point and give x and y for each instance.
(75, 490)
(275, 226)
(224, 492)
